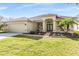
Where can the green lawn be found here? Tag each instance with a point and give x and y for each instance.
(35, 46)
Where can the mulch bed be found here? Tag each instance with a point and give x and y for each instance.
(61, 34)
(58, 34)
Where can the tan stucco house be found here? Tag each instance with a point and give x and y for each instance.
(42, 23)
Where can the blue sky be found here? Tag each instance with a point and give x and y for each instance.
(33, 9)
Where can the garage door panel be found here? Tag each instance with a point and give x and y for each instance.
(17, 28)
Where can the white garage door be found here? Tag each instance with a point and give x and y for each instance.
(18, 28)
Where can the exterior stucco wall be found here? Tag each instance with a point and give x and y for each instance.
(31, 26)
(76, 27)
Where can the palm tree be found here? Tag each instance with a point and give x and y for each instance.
(65, 23)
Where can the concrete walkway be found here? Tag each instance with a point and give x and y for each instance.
(4, 35)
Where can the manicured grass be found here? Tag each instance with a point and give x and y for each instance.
(35, 46)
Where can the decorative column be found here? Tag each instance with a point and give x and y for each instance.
(44, 26)
(54, 24)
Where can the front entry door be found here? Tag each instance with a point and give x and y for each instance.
(49, 27)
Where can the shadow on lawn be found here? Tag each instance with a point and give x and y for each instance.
(29, 37)
(73, 37)
(76, 39)
(66, 35)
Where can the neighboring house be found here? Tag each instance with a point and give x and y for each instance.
(41, 23)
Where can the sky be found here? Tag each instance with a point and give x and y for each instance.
(34, 9)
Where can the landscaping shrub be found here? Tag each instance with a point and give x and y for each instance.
(76, 32)
(32, 32)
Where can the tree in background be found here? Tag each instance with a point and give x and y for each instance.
(2, 24)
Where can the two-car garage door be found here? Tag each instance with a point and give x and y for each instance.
(17, 28)
(22, 27)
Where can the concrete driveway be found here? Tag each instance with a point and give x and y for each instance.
(4, 35)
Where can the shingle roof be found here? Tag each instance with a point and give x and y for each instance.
(37, 18)
(21, 19)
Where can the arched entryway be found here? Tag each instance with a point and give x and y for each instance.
(49, 24)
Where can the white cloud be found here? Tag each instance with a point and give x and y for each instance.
(77, 8)
(27, 5)
(3, 8)
(66, 9)
(59, 9)
(33, 4)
